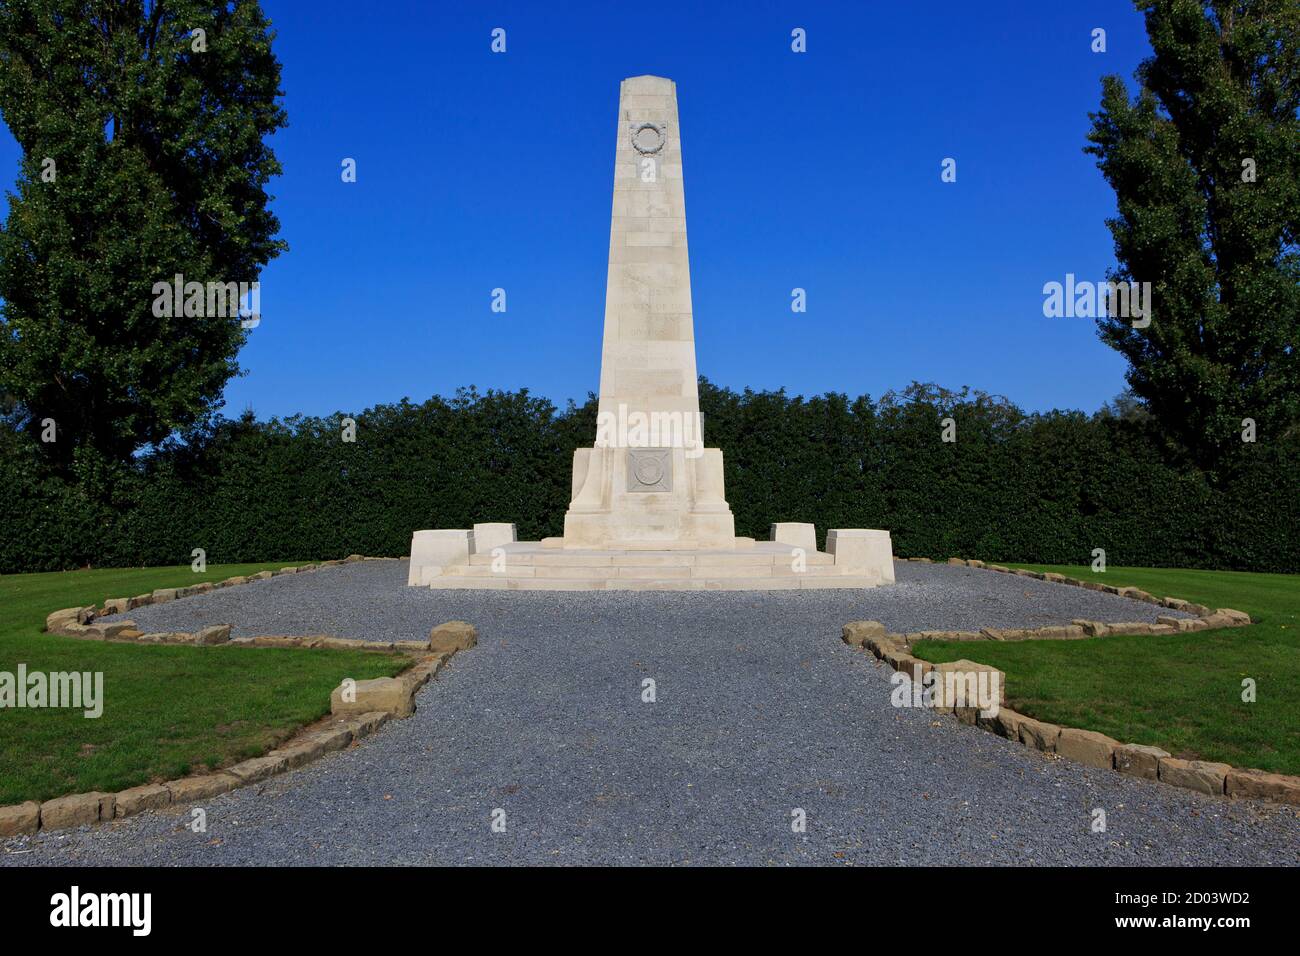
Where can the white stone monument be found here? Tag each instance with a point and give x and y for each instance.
(648, 509)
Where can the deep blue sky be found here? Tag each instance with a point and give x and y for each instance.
(818, 170)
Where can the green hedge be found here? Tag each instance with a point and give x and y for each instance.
(1013, 487)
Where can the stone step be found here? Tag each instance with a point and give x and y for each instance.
(788, 583)
(651, 559)
(636, 572)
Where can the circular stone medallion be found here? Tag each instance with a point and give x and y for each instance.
(648, 138)
(648, 471)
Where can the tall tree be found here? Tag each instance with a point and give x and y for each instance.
(142, 127)
(1205, 164)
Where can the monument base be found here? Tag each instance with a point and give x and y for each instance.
(855, 558)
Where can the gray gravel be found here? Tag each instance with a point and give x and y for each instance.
(760, 710)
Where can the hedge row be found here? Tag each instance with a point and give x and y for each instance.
(1012, 487)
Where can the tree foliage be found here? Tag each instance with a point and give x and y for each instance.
(1205, 164)
(1012, 486)
(143, 157)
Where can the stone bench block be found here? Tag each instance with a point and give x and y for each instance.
(862, 551)
(432, 550)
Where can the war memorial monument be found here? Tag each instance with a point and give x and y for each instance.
(649, 509)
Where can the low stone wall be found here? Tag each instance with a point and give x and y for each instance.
(357, 709)
(1082, 746)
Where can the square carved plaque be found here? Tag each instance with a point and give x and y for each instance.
(649, 469)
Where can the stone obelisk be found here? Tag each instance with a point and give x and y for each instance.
(648, 510)
(648, 482)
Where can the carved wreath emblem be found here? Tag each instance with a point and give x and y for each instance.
(649, 138)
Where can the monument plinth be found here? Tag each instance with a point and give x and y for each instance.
(648, 508)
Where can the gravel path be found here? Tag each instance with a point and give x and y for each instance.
(761, 710)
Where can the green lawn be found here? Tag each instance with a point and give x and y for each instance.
(1180, 692)
(167, 709)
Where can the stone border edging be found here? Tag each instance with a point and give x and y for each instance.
(355, 713)
(1082, 746)
(77, 621)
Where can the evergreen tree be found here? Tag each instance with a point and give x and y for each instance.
(1205, 164)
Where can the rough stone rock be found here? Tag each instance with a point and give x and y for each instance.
(191, 789)
(1261, 785)
(855, 633)
(1054, 577)
(959, 696)
(956, 562)
(232, 582)
(115, 629)
(259, 768)
(389, 694)
(213, 634)
(1092, 628)
(275, 640)
(1057, 632)
(117, 605)
(878, 645)
(1087, 747)
(293, 570)
(950, 636)
(909, 665)
(301, 751)
(1200, 775)
(163, 595)
(169, 637)
(1007, 723)
(149, 797)
(346, 643)
(1238, 617)
(424, 671)
(1218, 619)
(20, 818)
(1139, 760)
(1005, 633)
(140, 600)
(56, 621)
(364, 725)
(452, 636)
(261, 576)
(1039, 735)
(333, 737)
(1130, 628)
(71, 811)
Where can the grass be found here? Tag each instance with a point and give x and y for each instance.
(1180, 692)
(168, 710)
